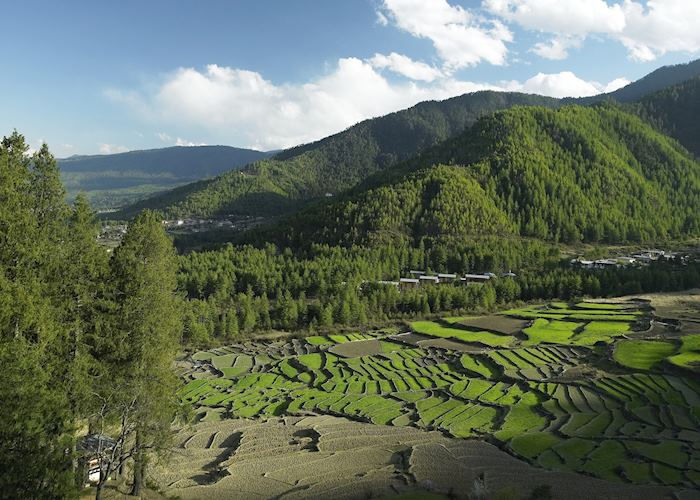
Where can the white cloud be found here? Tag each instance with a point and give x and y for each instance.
(403, 65)
(460, 37)
(164, 137)
(249, 110)
(646, 30)
(557, 48)
(381, 19)
(109, 149)
(564, 84)
(183, 142)
(617, 83)
(572, 17)
(663, 26)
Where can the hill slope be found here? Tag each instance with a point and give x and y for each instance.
(336, 163)
(655, 81)
(576, 173)
(116, 179)
(675, 111)
(293, 177)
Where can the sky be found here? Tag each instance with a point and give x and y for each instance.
(99, 76)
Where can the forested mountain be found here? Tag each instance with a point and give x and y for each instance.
(572, 174)
(655, 81)
(116, 179)
(675, 111)
(335, 163)
(293, 177)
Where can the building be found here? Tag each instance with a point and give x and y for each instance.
(416, 273)
(605, 263)
(429, 280)
(509, 274)
(388, 283)
(447, 277)
(406, 283)
(476, 278)
(92, 449)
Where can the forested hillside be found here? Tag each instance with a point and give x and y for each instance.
(655, 81)
(675, 111)
(293, 177)
(277, 185)
(572, 174)
(117, 179)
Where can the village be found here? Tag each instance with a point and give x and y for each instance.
(642, 258)
(422, 278)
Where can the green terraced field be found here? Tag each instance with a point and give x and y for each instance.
(435, 329)
(643, 354)
(542, 393)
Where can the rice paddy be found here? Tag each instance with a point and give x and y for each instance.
(547, 393)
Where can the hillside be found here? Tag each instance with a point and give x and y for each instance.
(675, 111)
(293, 177)
(655, 81)
(572, 174)
(118, 179)
(336, 163)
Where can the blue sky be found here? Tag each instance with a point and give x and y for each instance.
(96, 76)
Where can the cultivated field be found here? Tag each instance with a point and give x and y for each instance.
(585, 391)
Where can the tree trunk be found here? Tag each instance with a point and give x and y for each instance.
(104, 476)
(139, 468)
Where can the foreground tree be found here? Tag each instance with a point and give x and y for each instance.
(35, 424)
(137, 347)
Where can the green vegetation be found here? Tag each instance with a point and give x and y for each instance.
(438, 330)
(331, 165)
(642, 354)
(673, 111)
(85, 340)
(630, 426)
(524, 171)
(551, 331)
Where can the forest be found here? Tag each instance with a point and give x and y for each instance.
(87, 339)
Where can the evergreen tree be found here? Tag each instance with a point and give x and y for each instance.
(140, 344)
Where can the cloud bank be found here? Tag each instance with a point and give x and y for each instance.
(243, 103)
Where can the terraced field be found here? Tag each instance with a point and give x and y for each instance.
(578, 388)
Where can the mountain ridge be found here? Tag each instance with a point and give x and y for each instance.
(299, 175)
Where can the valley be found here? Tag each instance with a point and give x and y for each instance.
(550, 386)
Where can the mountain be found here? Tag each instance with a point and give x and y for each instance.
(675, 111)
(117, 179)
(571, 174)
(292, 177)
(655, 81)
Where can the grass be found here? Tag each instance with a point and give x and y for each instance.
(519, 394)
(689, 360)
(642, 354)
(601, 331)
(533, 444)
(435, 329)
(550, 331)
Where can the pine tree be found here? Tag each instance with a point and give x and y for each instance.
(141, 342)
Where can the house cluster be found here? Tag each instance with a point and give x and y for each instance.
(638, 259)
(421, 278)
(231, 222)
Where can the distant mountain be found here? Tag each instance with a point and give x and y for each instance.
(675, 111)
(659, 79)
(292, 177)
(571, 174)
(116, 179)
